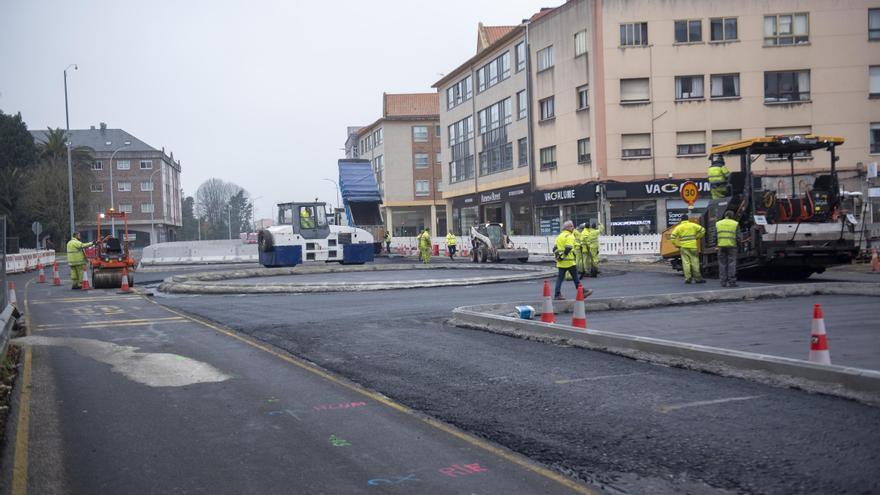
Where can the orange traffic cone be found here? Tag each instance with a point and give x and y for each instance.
(579, 317)
(41, 278)
(124, 288)
(12, 299)
(875, 263)
(56, 278)
(818, 340)
(85, 282)
(547, 314)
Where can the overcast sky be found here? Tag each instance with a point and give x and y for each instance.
(254, 92)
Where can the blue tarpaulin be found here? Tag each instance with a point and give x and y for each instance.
(357, 183)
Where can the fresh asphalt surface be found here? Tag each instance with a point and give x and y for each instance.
(378, 276)
(620, 425)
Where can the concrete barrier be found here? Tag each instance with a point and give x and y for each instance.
(199, 253)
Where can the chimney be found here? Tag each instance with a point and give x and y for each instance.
(103, 127)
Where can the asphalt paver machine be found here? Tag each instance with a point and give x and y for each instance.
(783, 235)
(112, 254)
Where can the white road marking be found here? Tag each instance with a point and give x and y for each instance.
(151, 369)
(593, 378)
(675, 407)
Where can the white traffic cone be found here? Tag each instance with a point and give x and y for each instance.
(547, 314)
(41, 277)
(818, 339)
(12, 299)
(56, 278)
(579, 316)
(124, 288)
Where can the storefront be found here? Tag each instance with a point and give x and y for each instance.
(510, 206)
(575, 203)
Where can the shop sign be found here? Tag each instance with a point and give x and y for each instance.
(655, 189)
(573, 194)
(490, 197)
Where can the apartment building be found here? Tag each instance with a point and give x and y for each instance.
(146, 184)
(629, 96)
(403, 147)
(484, 117)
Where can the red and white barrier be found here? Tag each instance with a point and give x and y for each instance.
(28, 259)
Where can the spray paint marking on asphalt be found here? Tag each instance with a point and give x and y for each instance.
(109, 323)
(454, 432)
(675, 407)
(344, 405)
(151, 369)
(393, 480)
(594, 378)
(456, 470)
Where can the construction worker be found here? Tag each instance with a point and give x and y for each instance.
(590, 241)
(578, 252)
(76, 259)
(425, 246)
(685, 236)
(387, 242)
(451, 244)
(728, 239)
(718, 178)
(305, 219)
(565, 259)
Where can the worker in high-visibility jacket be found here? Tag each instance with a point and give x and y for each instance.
(305, 219)
(425, 245)
(728, 240)
(76, 259)
(387, 242)
(565, 260)
(590, 243)
(451, 242)
(718, 178)
(685, 236)
(578, 252)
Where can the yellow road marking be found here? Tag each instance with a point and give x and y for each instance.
(674, 407)
(20, 460)
(109, 322)
(466, 437)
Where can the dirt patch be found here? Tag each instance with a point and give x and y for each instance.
(8, 374)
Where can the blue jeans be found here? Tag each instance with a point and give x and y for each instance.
(560, 277)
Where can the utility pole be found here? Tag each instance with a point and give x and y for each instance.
(69, 163)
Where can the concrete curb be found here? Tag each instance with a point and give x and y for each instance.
(842, 381)
(6, 324)
(207, 282)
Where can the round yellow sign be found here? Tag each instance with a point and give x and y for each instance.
(689, 192)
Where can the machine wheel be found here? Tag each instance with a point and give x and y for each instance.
(265, 241)
(523, 260)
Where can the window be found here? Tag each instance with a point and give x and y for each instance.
(545, 58)
(421, 160)
(583, 98)
(496, 157)
(786, 29)
(379, 170)
(97, 165)
(584, 151)
(874, 24)
(96, 188)
(378, 137)
(125, 208)
(786, 86)
(437, 131)
(874, 81)
(726, 136)
(461, 131)
(520, 56)
(789, 132)
(146, 186)
(523, 151)
(724, 85)
(635, 145)
(423, 187)
(459, 92)
(420, 133)
(461, 167)
(123, 165)
(439, 159)
(547, 108)
(689, 31)
(439, 185)
(634, 90)
(875, 138)
(146, 207)
(580, 43)
(494, 116)
(494, 72)
(690, 143)
(634, 34)
(146, 164)
(522, 107)
(548, 158)
(689, 88)
(123, 186)
(723, 29)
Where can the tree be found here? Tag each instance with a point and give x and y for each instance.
(213, 200)
(190, 229)
(240, 214)
(17, 148)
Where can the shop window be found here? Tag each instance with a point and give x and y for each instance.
(633, 217)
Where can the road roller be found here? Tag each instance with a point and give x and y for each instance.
(112, 255)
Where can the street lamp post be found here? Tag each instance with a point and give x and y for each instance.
(229, 219)
(152, 208)
(254, 212)
(69, 164)
(112, 203)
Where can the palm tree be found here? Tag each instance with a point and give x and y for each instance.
(54, 150)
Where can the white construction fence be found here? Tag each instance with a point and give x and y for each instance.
(609, 245)
(28, 260)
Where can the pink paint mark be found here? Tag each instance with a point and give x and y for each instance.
(457, 470)
(344, 405)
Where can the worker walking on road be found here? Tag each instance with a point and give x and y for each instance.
(387, 242)
(590, 242)
(728, 240)
(425, 246)
(685, 236)
(76, 259)
(451, 244)
(565, 260)
(718, 178)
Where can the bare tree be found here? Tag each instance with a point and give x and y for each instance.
(212, 201)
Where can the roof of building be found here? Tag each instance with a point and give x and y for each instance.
(488, 35)
(410, 105)
(98, 139)
(541, 13)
